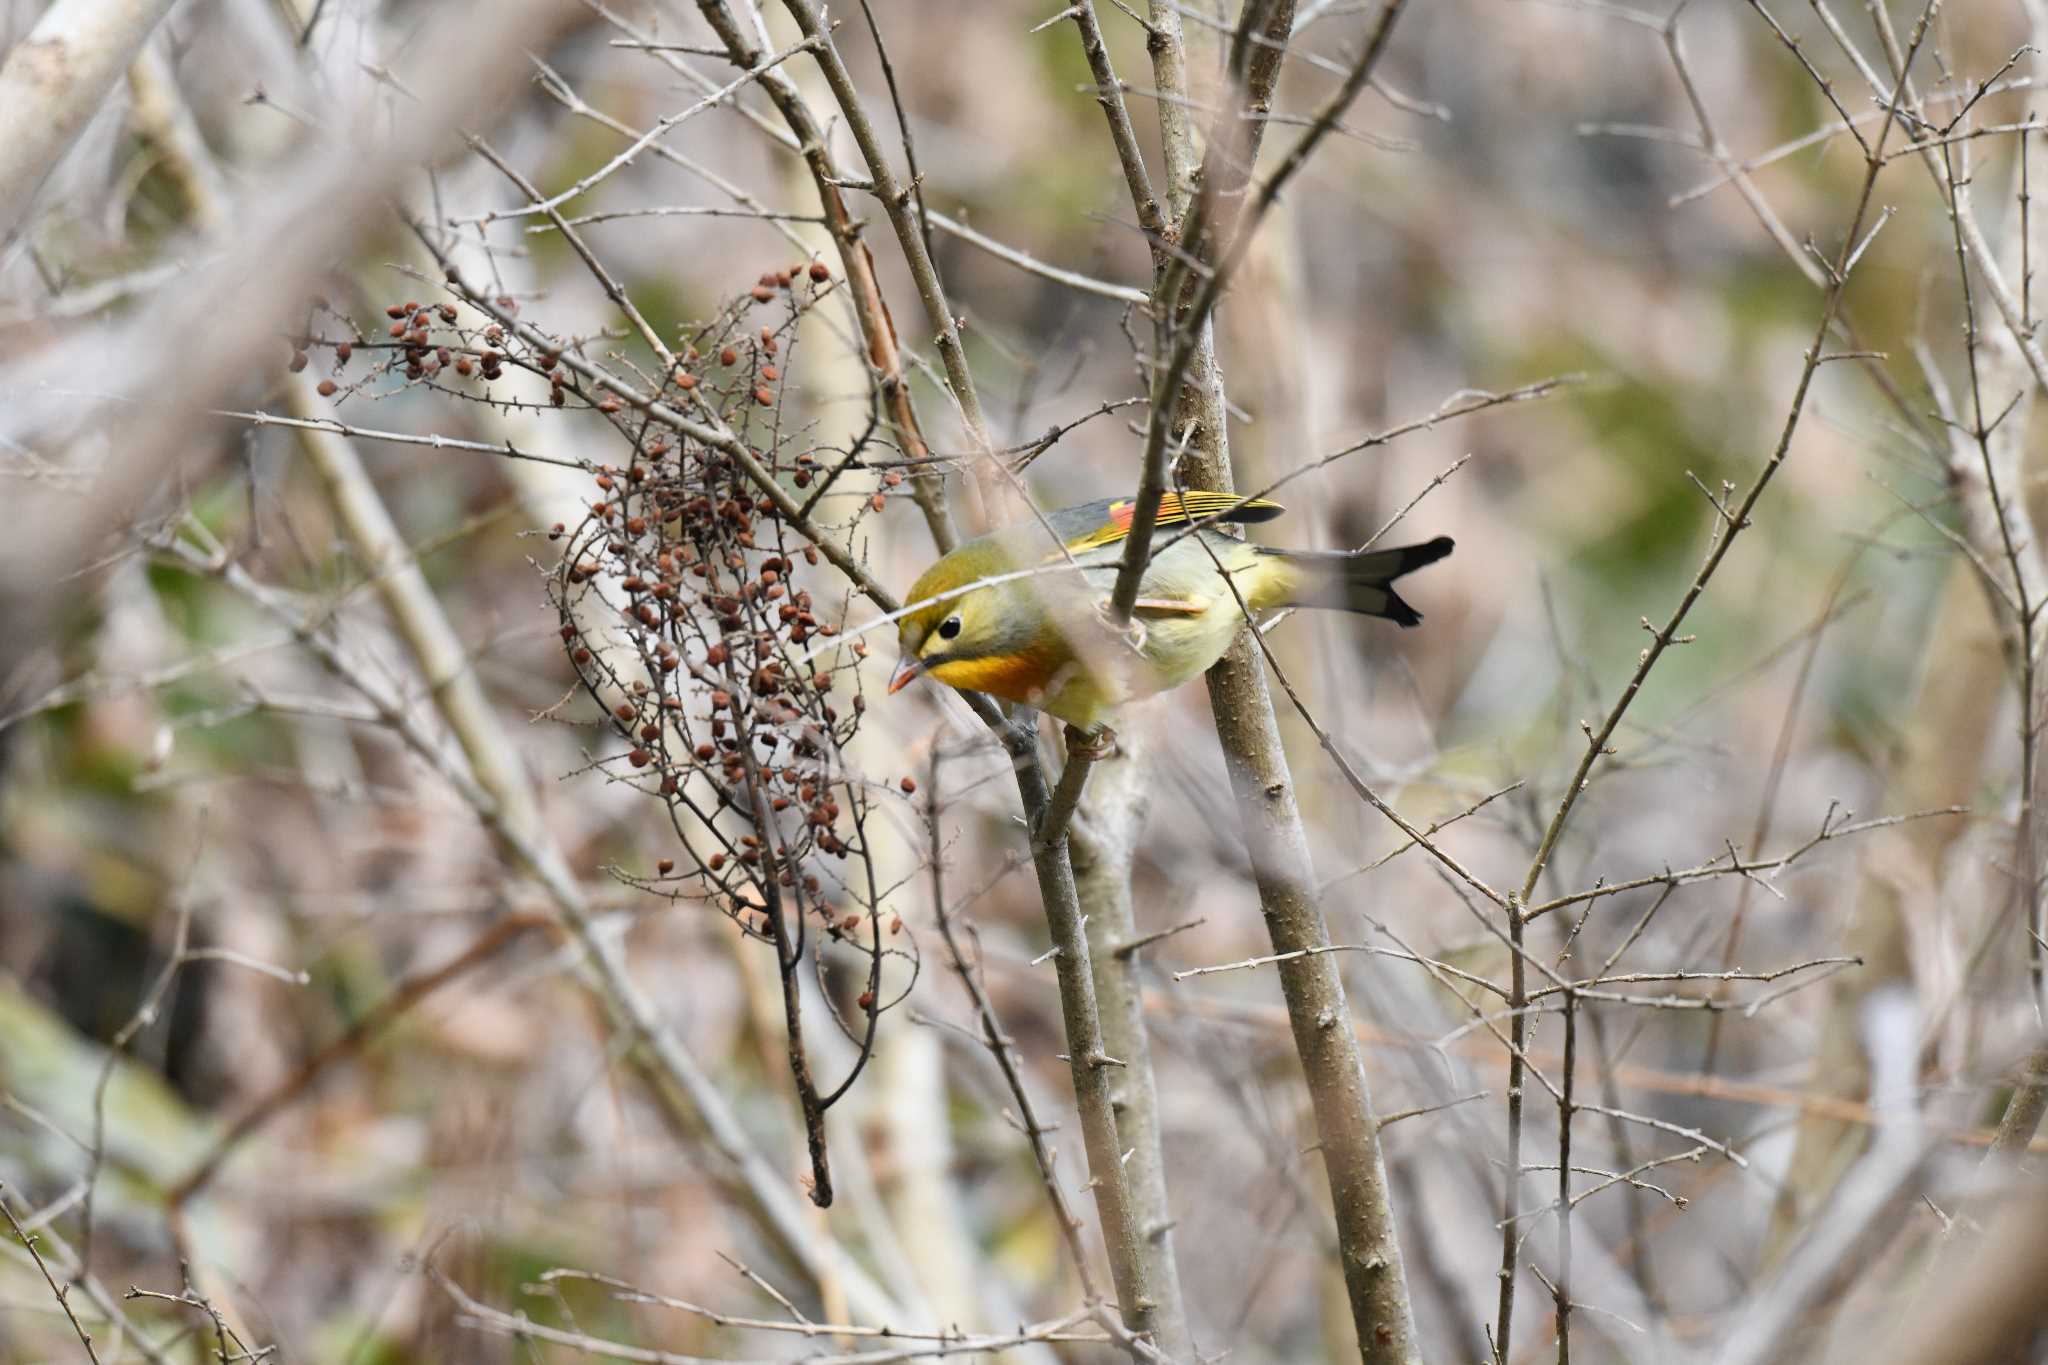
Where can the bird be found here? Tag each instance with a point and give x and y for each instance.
(1022, 613)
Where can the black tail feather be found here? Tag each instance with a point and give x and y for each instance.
(1361, 581)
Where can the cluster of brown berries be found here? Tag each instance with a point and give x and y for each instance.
(427, 343)
(782, 279)
(699, 644)
(412, 329)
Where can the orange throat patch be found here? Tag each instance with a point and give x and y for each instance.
(1014, 677)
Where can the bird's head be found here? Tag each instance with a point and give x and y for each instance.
(972, 639)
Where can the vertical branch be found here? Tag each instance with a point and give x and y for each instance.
(1188, 398)
(1103, 839)
(1109, 93)
(1318, 1012)
(998, 1044)
(1511, 1199)
(1087, 1060)
(896, 202)
(1561, 1289)
(1188, 288)
(2023, 1114)
(1986, 466)
(2003, 532)
(1180, 144)
(788, 932)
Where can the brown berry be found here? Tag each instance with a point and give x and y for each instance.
(820, 272)
(665, 866)
(325, 388)
(640, 758)
(909, 784)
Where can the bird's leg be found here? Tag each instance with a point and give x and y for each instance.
(1093, 745)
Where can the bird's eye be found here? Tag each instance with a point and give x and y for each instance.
(949, 627)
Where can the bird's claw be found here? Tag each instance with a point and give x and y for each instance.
(1091, 745)
(1131, 633)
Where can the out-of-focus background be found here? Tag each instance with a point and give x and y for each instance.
(280, 1002)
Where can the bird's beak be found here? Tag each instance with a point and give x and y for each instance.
(907, 672)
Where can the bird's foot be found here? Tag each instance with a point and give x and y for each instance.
(1132, 633)
(1092, 745)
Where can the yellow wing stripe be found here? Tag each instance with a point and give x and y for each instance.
(1177, 509)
